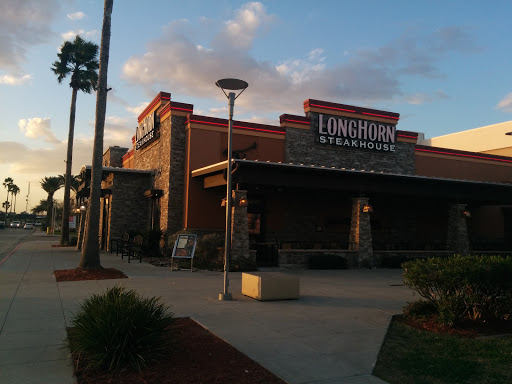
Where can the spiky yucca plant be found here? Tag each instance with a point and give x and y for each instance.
(120, 329)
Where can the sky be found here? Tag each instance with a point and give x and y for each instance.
(443, 65)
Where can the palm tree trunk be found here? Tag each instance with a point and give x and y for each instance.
(64, 236)
(90, 251)
(49, 211)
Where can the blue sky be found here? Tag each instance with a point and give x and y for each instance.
(443, 65)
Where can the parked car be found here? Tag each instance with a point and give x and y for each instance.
(38, 224)
(29, 226)
(15, 224)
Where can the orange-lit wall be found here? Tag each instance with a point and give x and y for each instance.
(206, 147)
(460, 167)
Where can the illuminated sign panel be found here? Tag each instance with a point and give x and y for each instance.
(356, 133)
(146, 131)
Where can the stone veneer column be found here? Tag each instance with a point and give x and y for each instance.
(100, 224)
(173, 217)
(239, 227)
(458, 239)
(81, 230)
(361, 232)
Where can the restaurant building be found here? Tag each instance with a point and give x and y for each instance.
(339, 180)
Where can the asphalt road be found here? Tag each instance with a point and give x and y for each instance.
(10, 238)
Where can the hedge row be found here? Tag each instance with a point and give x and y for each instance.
(464, 287)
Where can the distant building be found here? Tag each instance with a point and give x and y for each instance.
(493, 139)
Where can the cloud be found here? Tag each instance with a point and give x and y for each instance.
(240, 32)
(23, 23)
(38, 128)
(178, 63)
(44, 161)
(137, 110)
(86, 35)
(423, 98)
(300, 70)
(15, 80)
(119, 131)
(506, 104)
(76, 16)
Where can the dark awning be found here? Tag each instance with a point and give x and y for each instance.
(252, 172)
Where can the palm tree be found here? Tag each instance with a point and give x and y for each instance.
(14, 192)
(50, 185)
(8, 181)
(91, 250)
(41, 207)
(6, 205)
(78, 59)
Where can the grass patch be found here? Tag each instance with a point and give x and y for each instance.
(415, 356)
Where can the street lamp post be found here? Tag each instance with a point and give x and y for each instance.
(230, 85)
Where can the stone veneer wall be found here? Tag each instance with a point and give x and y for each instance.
(361, 233)
(166, 156)
(176, 174)
(301, 147)
(299, 258)
(113, 156)
(239, 228)
(458, 239)
(129, 209)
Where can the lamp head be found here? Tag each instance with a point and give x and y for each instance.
(232, 84)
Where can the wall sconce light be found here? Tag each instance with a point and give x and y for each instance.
(82, 208)
(77, 210)
(367, 208)
(465, 213)
(243, 202)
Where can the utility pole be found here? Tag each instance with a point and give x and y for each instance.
(28, 194)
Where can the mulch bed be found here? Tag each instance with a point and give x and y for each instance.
(78, 274)
(197, 356)
(63, 246)
(469, 329)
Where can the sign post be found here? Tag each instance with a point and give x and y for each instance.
(184, 248)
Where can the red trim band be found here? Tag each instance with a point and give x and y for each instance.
(463, 155)
(409, 137)
(235, 126)
(182, 109)
(386, 117)
(297, 121)
(337, 109)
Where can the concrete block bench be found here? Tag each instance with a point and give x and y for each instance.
(270, 286)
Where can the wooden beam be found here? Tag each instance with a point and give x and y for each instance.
(214, 181)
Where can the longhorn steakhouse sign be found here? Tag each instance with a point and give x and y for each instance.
(356, 133)
(147, 130)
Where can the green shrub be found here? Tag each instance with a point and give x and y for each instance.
(120, 329)
(420, 308)
(208, 254)
(464, 287)
(327, 261)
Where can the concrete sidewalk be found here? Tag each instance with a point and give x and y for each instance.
(332, 334)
